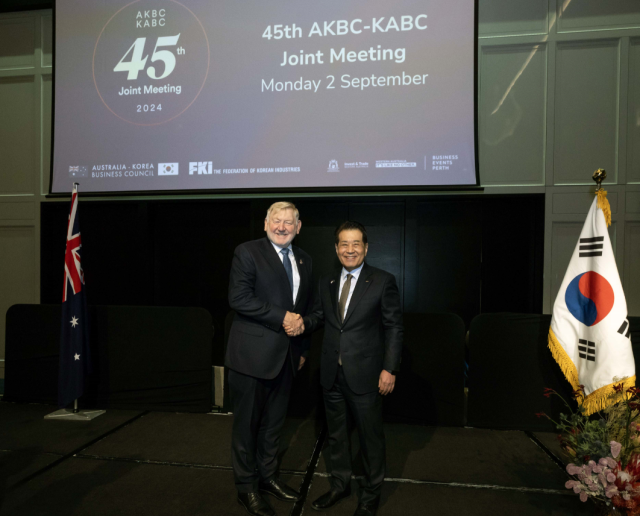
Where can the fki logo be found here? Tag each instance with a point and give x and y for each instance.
(200, 167)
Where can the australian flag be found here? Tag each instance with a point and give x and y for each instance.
(75, 361)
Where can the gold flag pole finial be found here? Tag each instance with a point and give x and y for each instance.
(599, 176)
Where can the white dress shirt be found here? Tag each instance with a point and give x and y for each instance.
(343, 278)
(294, 267)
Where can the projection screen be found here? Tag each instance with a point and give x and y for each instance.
(161, 95)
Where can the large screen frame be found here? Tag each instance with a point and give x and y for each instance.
(253, 192)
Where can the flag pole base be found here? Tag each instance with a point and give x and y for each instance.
(70, 415)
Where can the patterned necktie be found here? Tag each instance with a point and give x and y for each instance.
(344, 295)
(287, 267)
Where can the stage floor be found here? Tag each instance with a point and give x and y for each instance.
(156, 463)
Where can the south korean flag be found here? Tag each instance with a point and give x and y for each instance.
(589, 335)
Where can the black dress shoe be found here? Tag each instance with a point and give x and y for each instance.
(255, 504)
(367, 509)
(275, 487)
(330, 499)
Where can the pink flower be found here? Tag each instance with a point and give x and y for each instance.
(583, 496)
(611, 491)
(615, 448)
(611, 477)
(572, 469)
(608, 461)
(573, 484)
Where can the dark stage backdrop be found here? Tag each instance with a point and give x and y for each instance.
(461, 254)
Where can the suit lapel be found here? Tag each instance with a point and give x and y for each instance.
(364, 280)
(333, 291)
(275, 263)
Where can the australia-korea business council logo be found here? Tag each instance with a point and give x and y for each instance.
(333, 166)
(120, 170)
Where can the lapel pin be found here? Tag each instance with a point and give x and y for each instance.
(367, 281)
(300, 261)
(333, 281)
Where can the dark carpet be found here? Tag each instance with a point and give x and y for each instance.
(130, 463)
(201, 439)
(18, 465)
(90, 487)
(22, 426)
(466, 455)
(405, 499)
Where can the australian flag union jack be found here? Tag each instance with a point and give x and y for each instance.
(75, 361)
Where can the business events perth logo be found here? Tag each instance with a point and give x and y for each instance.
(167, 169)
(333, 166)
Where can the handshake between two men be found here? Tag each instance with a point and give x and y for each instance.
(294, 325)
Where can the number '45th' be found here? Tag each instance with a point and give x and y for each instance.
(137, 63)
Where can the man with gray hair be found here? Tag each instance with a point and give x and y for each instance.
(269, 286)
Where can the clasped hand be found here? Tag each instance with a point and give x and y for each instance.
(293, 324)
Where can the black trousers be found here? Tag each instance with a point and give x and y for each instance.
(366, 410)
(259, 410)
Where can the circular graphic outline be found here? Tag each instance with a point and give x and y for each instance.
(93, 66)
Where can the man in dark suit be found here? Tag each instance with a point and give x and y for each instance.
(361, 313)
(269, 285)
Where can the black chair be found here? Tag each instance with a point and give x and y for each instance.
(509, 367)
(144, 357)
(430, 385)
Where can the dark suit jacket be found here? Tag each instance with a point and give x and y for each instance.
(370, 338)
(260, 293)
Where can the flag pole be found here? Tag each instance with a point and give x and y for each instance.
(75, 402)
(75, 414)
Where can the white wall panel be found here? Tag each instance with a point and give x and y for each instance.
(17, 41)
(47, 40)
(633, 114)
(631, 281)
(502, 17)
(17, 134)
(579, 202)
(512, 115)
(586, 111)
(45, 169)
(576, 15)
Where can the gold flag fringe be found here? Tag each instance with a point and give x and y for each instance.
(603, 204)
(567, 366)
(604, 396)
(598, 399)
